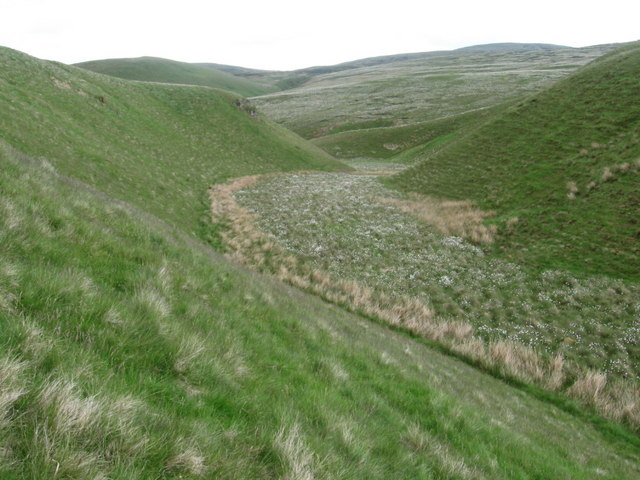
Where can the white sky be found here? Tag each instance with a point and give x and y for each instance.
(290, 34)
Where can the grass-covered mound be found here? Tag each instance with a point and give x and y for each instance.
(151, 69)
(157, 146)
(130, 351)
(561, 170)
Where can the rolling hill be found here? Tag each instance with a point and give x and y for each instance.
(157, 146)
(151, 69)
(424, 87)
(560, 169)
(130, 349)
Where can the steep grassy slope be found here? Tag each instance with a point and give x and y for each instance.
(151, 69)
(562, 171)
(419, 89)
(157, 146)
(131, 351)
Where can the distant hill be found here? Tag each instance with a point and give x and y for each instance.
(380, 60)
(151, 69)
(158, 146)
(510, 47)
(561, 170)
(408, 89)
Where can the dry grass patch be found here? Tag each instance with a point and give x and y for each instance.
(446, 461)
(459, 218)
(296, 457)
(189, 460)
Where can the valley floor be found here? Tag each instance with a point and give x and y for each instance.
(350, 227)
(411, 262)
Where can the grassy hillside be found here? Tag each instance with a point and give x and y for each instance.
(284, 80)
(131, 351)
(150, 69)
(419, 89)
(396, 142)
(561, 170)
(157, 146)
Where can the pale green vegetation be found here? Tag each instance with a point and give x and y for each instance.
(130, 349)
(399, 143)
(345, 225)
(150, 69)
(418, 89)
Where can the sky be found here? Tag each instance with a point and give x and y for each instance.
(288, 34)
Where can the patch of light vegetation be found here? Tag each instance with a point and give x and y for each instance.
(334, 222)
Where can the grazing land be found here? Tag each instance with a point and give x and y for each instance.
(150, 69)
(441, 259)
(419, 89)
(157, 146)
(352, 227)
(130, 350)
(371, 333)
(561, 171)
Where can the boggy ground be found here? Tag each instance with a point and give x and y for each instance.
(420, 257)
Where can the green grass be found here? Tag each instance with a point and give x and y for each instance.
(341, 227)
(150, 69)
(157, 146)
(559, 169)
(131, 351)
(418, 89)
(391, 142)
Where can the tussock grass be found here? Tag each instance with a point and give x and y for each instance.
(296, 457)
(458, 218)
(242, 378)
(447, 464)
(311, 270)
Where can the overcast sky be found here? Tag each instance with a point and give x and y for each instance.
(290, 34)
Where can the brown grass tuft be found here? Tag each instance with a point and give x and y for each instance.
(247, 244)
(607, 174)
(189, 460)
(296, 457)
(459, 218)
